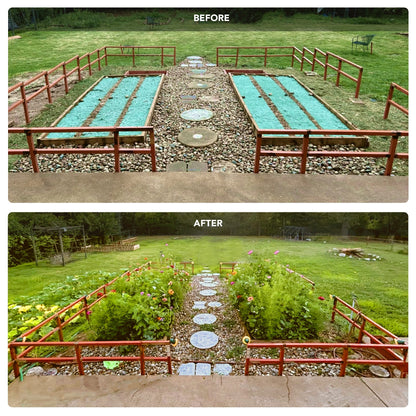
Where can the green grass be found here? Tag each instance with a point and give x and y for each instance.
(380, 286)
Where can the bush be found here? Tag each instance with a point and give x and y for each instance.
(140, 306)
(274, 302)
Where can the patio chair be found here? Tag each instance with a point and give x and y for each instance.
(363, 41)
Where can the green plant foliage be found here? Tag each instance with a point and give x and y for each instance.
(274, 302)
(140, 305)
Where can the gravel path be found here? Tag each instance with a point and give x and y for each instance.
(232, 152)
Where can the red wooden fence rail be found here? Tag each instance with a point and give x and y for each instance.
(116, 150)
(305, 153)
(234, 52)
(343, 361)
(91, 58)
(390, 101)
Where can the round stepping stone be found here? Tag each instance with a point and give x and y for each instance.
(199, 304)
(214, 304)
(379, 371)
(197, 114)
(203, 76)
(209, 284)
(210, 98)
(208, 292)
(204, 339)
(197, 137)
(195, 84)
(222, 369)
(204, 318)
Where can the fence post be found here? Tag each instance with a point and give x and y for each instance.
(357, 88)
(60, 334)
(313, 60)
(13, 356)
(162, 51)
(333, 309)
(258, 150)
(247, 364)
(174, 55)
(25, 108)
(344, 361)
(265, 57)
(338, 72)
(133, 56)
(65, 77)
(89, 64)
(79, 68)
(116, 151)
(236, 57)
(142, 365)
(98, 59)
(281, 359)
(305, 146)
(392, 153)
(388, 102)
(361, 333)
(153, 150)
(105, 56)
(326, 66)
(79, 359)
(48, 88)
(32, 153)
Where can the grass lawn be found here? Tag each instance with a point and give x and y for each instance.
(381, 287)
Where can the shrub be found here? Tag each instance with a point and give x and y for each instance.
(274, 302)
(140, 306)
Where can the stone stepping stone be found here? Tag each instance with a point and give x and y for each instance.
(214, 304)
(208, 292)
(184, 65)
(209, 284)
(188, 98)
(210, 64)
(223, 166)
(198, 71)
(195, 61)
(206, 271)
(187, 369)
(204, 318)
(197, 137)
(210, 98)
(207, 279)
(379, 371)
(203, 85)
(199, 304)
(204, 339)
(222, 369)
(194, 57)
(197, 114)
(203, 369)
(203, 76)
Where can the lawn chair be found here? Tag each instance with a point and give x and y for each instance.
(363, 41)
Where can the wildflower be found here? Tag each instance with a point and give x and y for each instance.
(89, 312)
(166, 244)
(164, 299)
(148, 295)
(142, 293)
(161, 271)
(269, 277)
(159, 318)
(154, 298)
(234, 272)
(145, 258)
(250, 298)
(170, 283)
(113, 291)
(276, 252)
(321, 298)
(231, 283)
(171, 292)
(250, 252)
(99, 294)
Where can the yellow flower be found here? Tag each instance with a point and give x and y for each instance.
(24, 308)
(171, 292)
